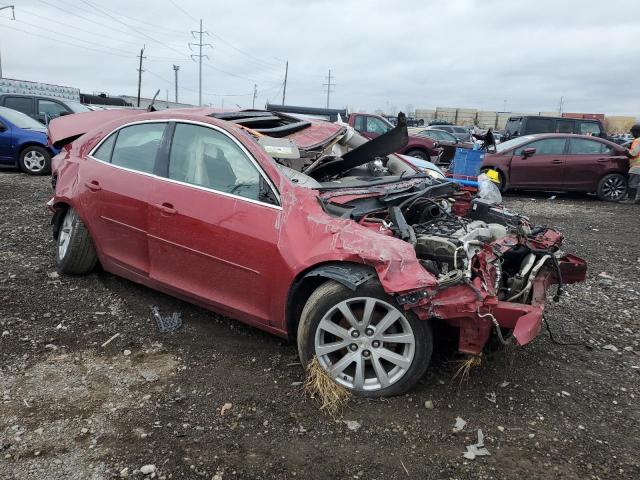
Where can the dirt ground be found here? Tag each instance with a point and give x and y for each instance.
(71, 409)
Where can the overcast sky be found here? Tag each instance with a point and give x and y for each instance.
(383, 54)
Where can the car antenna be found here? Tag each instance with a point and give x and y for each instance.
(151, 108)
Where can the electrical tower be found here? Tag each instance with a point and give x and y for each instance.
(255, 94)
(329, 85)
(175, 70)
(140, 72)
(199, 56)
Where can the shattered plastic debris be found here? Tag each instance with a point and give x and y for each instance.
(613, 348)
(352, 425)
(169, 323)
(477, 449)
(225, 407)
(460, 423)
(491, 396)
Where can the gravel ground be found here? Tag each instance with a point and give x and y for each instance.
(151, 402)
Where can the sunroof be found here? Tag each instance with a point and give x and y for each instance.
(268, 123)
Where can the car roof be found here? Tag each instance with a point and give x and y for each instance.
(540, 136)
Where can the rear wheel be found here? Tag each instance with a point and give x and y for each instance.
(364, 340)
(418, 154)
(612, 187)
(35, 160)
(76, 253)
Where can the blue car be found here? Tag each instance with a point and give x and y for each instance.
(23, 143)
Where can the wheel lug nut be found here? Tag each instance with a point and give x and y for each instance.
(366, 353)
(353, 347)
(375, 343)
(355, 333)
(369, 331)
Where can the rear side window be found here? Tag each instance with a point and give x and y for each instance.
(22, 104)
(539, 125)
(136, 146)
(359, 124)
(513, 126)
(564, 126)
(50, 108)
(104, 151)
(548, 146)
(582, 146)
(589, 128)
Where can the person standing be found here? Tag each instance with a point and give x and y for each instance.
(633, 189)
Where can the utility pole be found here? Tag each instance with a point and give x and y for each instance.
(140, 73)
(13, 17)
(284, 90)
(199, 55)
(255, 94)
(329, 85)
(504, 106)
(561, 104)
(175, 70)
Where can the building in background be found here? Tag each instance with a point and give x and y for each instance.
(25, 87)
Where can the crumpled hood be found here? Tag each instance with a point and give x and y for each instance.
(66, 129)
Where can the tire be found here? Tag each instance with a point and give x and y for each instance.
(322, 312)
(418, 154)
(503, 179)
(75, 252)
(35, 160)
(612, 187)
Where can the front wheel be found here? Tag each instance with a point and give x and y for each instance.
(363, 340)
(612, 187)
(35, 160)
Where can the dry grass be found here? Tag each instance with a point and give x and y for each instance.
(332, 396)
(465, 366)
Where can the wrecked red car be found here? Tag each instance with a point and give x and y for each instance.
(304, 229)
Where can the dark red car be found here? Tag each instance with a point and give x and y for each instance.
(254, 215)
(561, 162)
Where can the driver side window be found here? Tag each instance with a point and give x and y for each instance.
(375, 125)
(548, 146)
(205, 157)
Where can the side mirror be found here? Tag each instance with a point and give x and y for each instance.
(3, 127)
(528, 152)
(62, 114)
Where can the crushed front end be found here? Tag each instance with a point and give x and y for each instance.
(492, 267)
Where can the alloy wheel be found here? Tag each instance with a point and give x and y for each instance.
(613, 188)
(365, 344)
(34, 161)
(64, 236)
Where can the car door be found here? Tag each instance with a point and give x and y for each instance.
(118, 180)
(587, 161)
(213, 224)
(543, 169)
(48, 109)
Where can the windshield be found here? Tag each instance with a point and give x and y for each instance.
(513, 143)
(76, 107)
(19, 119)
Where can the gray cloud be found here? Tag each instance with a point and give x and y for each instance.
(464, 53)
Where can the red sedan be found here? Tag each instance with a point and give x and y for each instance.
(304, 229)
(561, 162)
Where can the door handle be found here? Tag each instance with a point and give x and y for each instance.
(93, 185)
(603, 160)
(556, 162)
(165, 208)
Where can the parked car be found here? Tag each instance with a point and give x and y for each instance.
(562, 163)
(251, 214)
(531, 125)
(447, 141)
(461, 133)
(23, 143)
(41, 108)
